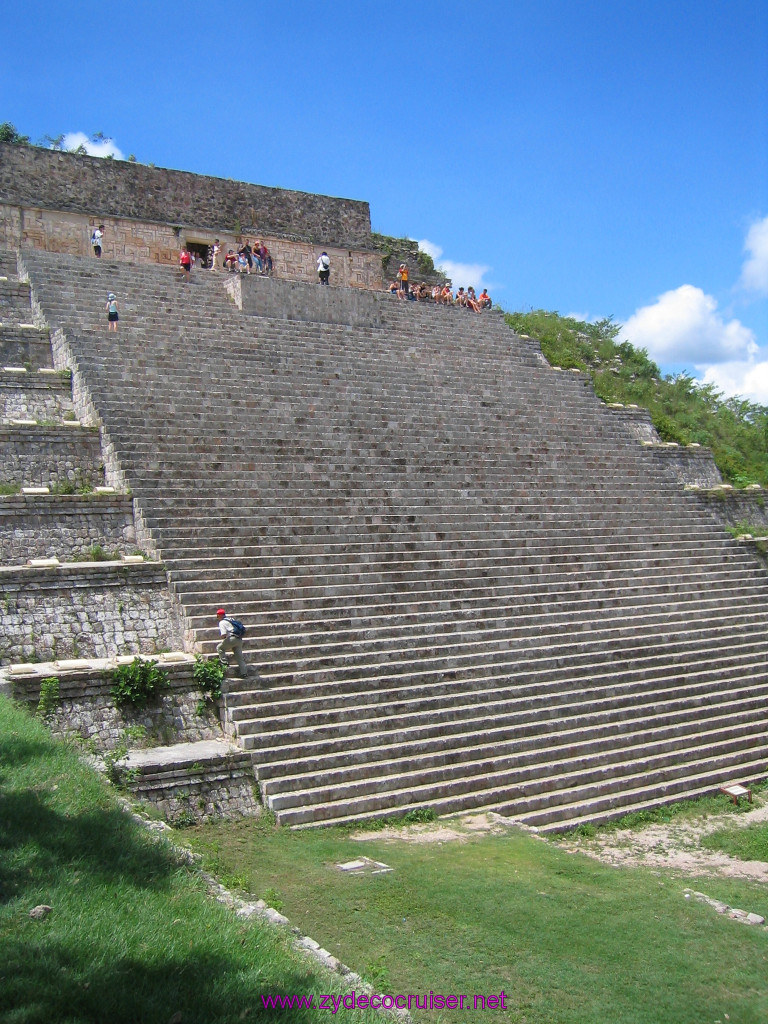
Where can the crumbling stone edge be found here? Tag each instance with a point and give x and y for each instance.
(722, 908)
(246, 910)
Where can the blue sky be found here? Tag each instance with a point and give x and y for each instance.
(592, 157)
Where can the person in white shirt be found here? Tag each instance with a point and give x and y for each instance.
(230, 641)
(96, 239)
(324, 267)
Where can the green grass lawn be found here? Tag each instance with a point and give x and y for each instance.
(132, 937)
(568, 940)
(749, 843)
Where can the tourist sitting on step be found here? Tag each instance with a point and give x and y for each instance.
(230, 261)
(246, 252)
(484, 299)
(471, 302)
(421, 292)
(242, 263)
(446, 295)
(232, 633)
(436, 289)
(393, 288)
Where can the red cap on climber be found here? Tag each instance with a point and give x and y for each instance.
(220, 612)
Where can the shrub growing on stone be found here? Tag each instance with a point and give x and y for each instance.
(208, 674)
(49, 697)
(138, 683)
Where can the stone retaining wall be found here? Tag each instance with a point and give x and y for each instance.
(24, 347)
(86, 610)
(732, 507)
(86, 711)
(68, 526)
(186, 794)
(307, 302)
(26, 396)
(36, 456)
(691, 465)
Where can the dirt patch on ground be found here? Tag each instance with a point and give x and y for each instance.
(455, 829)
(675, 846)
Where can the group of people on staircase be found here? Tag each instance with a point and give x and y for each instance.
(440, 294)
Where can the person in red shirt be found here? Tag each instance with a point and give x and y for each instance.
(185, 262)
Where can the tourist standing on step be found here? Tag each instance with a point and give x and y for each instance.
(216, 255)
(96, 239)
(266, 259)
(232, 633)
(324, 267)
(185, 262)
(402, 278)
(112, 314)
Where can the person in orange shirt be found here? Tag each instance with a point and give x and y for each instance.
(402, 277)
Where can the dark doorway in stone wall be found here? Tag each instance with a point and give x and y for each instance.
(199, 251)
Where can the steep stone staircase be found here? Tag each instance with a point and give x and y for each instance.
(78, 599)
(465, 582)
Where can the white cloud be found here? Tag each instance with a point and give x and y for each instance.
(684, 326)
(746, 379)
(754, 274)
(100, 147)
(462, 275)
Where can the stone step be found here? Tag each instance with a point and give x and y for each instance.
(597, 721)
(484, 688)
(514, 768)
(323, 613)
(488, 644)
(564, 622)
(313, 745)
(663, 773)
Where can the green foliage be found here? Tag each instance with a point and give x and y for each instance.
(272, 897)
(184, 819)
(96, 553)
(681, 409)
(208, 674)
(420, 815)
(138, 683)
(425, 263)
(8, 133)
(49, 697)
(743, 527)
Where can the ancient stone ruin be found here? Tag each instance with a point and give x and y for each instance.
(466, 582)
